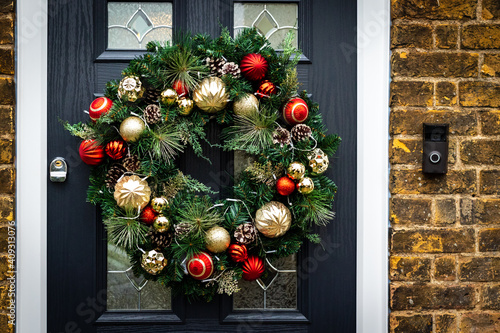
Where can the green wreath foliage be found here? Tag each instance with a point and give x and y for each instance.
(191, 201)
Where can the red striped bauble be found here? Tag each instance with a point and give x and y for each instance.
(295, 111)
(253, 268)
(266, 89)
(238, 252)
(116, 149)
(91, 152)
(200, 266)
(253, 66)
(99, 106)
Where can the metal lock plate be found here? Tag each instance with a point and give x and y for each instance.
(58, 170)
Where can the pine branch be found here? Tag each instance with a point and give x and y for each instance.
(125, 233)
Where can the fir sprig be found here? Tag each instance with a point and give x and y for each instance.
(125, 233)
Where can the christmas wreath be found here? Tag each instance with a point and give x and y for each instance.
(171, 227)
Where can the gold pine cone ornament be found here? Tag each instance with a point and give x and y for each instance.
(131, 192)
(211, 95)
(318, 161)
(273, 219)
(153, 262)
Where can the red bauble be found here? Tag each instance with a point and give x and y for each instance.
(91, 152)
(116, 149)
(148, 215)
(200, 266)
(253, 66)
(253, 268)
(238, 252)
(99, 106)
(181, 88)
(285, 186)
(295, 111)
(266, 89)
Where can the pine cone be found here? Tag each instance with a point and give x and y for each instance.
(245, 233)
(160, 240)
(151, 95)
(182, 229)
(131, 163)
(281, 136)
(152, 114)
(301, 132)
(114, 173)
(215, 65)
(232, 69)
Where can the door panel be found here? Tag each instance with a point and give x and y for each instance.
(79, 65)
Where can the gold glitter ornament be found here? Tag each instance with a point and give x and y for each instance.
(153, 262)
(131, 128)
(130, 89)
(305, 185)
(246, 105)
(159, 204)
(273, 219)
(161, 223)
(131, 192)
(318, 161)
(211, 95)
(217, 239)
(296, 170)
(168, 97)
(185, 105)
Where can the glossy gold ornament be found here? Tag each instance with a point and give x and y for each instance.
(296, 170)
(211, 95)
(161, 223)
(217, 239)
(153, 262)
(305, 185)
(131, 128)
(159, 204)
(185, 106)
(246, 105)
(273, 219)
(130, 89)
(318, 161)
(131, 192)
(168, 97)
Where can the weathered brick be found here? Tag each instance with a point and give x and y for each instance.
(415, 182)
(411, 35)
(427, 297)
(479, 211)
(7, 61)
(490, 297)
(446, 36)
(6, 6)
(480, 323)
(490, 182)
(5, 326)
(481, 36)
(6, 120)
(446, 323)
(445, 212)
(4, 268)
(7, 94)
(6, 151)
(6, 209)
(480, 152)
(405, 151)
(432, 241)
(434, 9)
(410, 324)
(480, 94)
(491, 9)
(491, 65)
(434, 64)
(489, 240)
(409, 269)
(6, 29)
(410, 211)
(410, 122)
(408, 93)
(490, 122)
(446, 93)
(5, 298)
(4, 234)
(7, 180)
(445, 269)
(479, 269)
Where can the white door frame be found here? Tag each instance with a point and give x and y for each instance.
(372, 52)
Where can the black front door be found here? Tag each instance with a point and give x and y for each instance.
(80, 62)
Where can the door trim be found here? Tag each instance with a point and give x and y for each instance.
(372, 52)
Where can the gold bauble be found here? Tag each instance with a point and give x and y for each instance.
(318, 161)
(159, 204)
(217, 239)
(153, 262)
(131, 192)
(130, 89)
(211, 95)
(161, 223)
(273, 219)
(305, 185)
(185, 106)
(131, 128)
(246, 105)
(296, 170)
(168, 97)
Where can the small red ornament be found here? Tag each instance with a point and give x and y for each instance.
(148, 215)
(181, 88)
(200, 266)
(238, 252)
(254, 66)
(266, 89)
(91, 152)
(99, 106)
(253, 268)
(295, 111)
(285, 186)
(116, 149)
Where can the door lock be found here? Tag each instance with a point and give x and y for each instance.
(58, 170)
(435, 157)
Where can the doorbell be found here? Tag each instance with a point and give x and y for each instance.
(435, 159)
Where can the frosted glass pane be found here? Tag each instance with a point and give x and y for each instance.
(155, 296)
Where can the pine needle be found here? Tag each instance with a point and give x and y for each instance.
(199, 214)
(126, 233)
(184, 66)
(166, 142)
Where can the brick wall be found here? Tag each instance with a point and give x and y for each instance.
(445, 230)
(7, 170)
